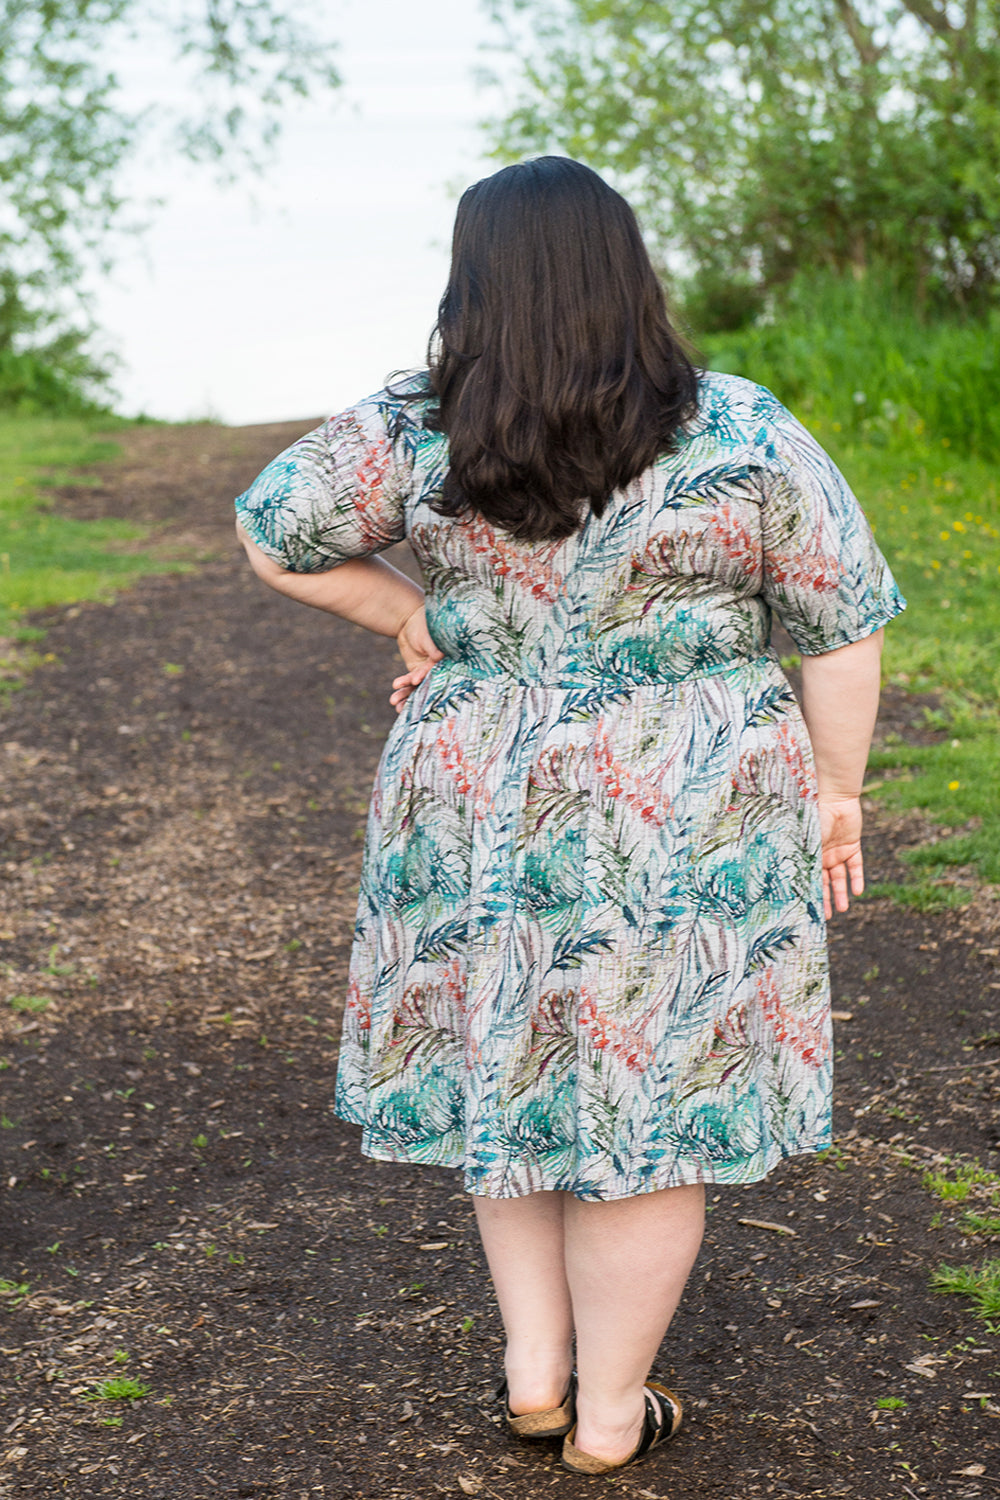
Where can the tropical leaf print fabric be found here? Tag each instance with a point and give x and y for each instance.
(590, 949)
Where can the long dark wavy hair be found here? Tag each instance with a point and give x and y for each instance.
(557, 373)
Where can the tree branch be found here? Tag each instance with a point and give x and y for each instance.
(934, 19)
(860, 34)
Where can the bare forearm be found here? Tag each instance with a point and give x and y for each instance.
(366, 590)
(840, 692)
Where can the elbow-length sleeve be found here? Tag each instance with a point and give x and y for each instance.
(824, 575)
(337, 493)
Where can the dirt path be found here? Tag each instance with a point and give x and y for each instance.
(183, 798)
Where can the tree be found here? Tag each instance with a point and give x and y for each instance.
(760, 137)
(67, 131)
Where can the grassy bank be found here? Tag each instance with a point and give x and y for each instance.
(937, 517)
(911, 413)
(46, 558)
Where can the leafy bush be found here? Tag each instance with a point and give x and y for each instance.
(853, 352)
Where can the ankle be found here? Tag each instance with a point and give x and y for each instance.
(538, 1380)
(610, 1412)
(609, 1430)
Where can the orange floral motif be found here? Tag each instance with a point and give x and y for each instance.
(358, 1004)
(642, 793)
(792, 754)
(755, 773)
(455, 761)
(671, 552)
(608, 1033)
(453, 757)
(806, 1040)
(424, 1005)
(529, 571)
(655, 559)
(809, 568)
(369, 476)
(736, 538)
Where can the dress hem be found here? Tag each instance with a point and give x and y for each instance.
(679, 1175)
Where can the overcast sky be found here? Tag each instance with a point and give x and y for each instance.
(303, 303)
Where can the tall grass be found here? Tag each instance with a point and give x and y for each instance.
(910, 410)
(852, 352)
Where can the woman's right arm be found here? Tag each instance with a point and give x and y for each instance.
(840, 691)
(367, 591)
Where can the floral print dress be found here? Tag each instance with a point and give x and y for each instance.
(590, 949)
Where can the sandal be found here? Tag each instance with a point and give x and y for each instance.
(661, 1421)
(536, 1425)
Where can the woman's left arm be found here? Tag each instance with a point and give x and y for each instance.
(840, 692)
(367, 591)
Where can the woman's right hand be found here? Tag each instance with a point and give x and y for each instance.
(840, 826)
(419, 654)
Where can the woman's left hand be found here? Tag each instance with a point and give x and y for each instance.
(843, 866)
(418, 652)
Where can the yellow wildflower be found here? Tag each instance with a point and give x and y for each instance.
(953, 786)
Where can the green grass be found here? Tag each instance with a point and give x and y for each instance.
(921, 895)
(32, 1004)
(981, 1284)
(988, 1225)
(916, 450)
(962, 1181)
(45, 558)
(937, 518)
(967, 1176)
(117, 1388)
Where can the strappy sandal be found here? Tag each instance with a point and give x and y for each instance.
(661, 1421)
(536, 1425)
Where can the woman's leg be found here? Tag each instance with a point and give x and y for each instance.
(626, 1264)
(615, 1270)
(523, 1240)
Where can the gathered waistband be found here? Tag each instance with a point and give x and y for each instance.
(457, 671)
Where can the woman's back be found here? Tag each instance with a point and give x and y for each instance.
(674, 579)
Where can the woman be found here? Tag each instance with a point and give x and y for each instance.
(590, 965)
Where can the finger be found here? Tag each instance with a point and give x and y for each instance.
(856, 866)
(827, 905)
(838, 887)
(418, 672)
